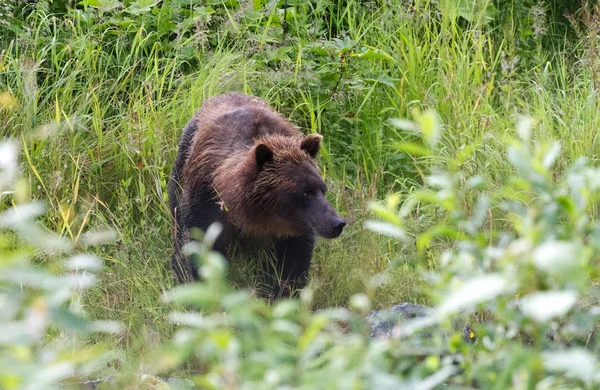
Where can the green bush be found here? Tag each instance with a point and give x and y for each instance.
(42, 320)
(522, 257)
(523, 260)
(504, 240)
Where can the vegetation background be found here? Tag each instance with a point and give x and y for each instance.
(96, 92)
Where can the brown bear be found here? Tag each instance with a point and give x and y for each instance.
(243, 165)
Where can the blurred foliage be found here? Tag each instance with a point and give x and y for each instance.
(42, 321)
(517, 258)
(526, 281)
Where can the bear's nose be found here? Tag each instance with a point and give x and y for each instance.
(338, 226)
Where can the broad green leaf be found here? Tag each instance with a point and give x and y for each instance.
(105, 326)
(374, 54)
(199, 294)
(141, 6)
(14, 333)
(551, 155)
(476, 182)
(103, 5)
(545, 306)
(69, 320)
(385, 212)
(83, 262)
(524, 125)
(413, 149)
(519, 160)
(430, 126)
(482, 206)
(473, 292)
(360, 302)
(99, 237)
(285, 309)
(51, 374)
(557, 256)
(424, 240)
(285, 326)
(576, 363)
(383, 79)
(317, 323)
(188, 319)
(22, 213)
(435, 380)
(404, 124)
(441, 180)
(386, 229)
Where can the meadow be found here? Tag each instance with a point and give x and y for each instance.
(97, 92)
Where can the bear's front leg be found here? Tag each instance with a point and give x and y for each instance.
(294, 256)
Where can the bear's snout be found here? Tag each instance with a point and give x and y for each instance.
(338, 227)
(330, 227)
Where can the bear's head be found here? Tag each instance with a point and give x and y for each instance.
(282, 193)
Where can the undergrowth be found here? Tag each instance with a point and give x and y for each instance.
(97, 92)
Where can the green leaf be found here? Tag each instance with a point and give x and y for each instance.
(103, 5)
(141, 6)
(385, 212)
(438, 231)
(551, 155)
(469, 10)
(575, 363)
(374, 54)
(69, 320)
(413, 149)
(408, 206)
(519, 159)
(476, 182)
(437, 379)
(482, 207)
(386, 229)
(547, 305)
(198, 294)
(317, 323)
(383, 79)
(404, 124)
(478, 290)
(557, 257)
(106, 326)
(524, 125)
(429, 126)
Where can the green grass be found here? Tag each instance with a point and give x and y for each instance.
(111, 109)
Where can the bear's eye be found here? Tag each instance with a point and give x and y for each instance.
(307, 193)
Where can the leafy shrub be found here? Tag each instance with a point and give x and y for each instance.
(518, 259)
(522, 258)
(42, 323)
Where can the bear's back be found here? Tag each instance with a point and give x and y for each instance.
(232, 122)
(226, 127)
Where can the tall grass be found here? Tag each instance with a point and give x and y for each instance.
(100, 112)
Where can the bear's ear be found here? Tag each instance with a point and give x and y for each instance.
(263, 155)
(311, 144)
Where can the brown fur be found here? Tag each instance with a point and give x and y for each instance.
(242, 164)
(232, 168)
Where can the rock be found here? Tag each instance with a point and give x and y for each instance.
(383, 321)
(149, 382)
